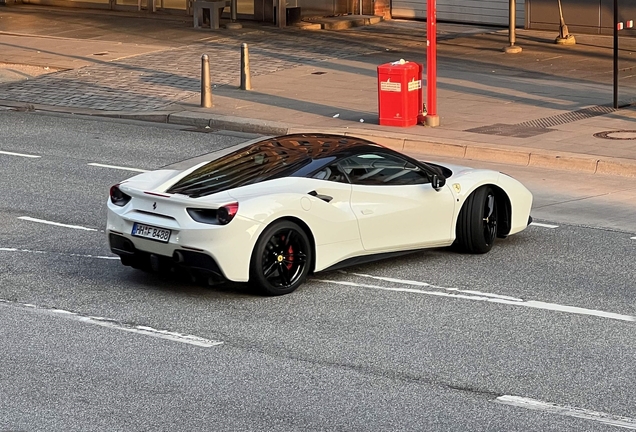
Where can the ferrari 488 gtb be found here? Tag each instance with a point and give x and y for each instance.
(278, 209)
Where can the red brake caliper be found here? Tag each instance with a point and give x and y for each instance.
(290, 257)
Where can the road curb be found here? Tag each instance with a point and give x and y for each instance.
(237, 124)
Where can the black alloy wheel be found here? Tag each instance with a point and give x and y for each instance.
(281, 259)
(476, 229)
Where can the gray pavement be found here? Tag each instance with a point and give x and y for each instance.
(541, 108)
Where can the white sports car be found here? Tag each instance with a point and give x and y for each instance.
(282, 207)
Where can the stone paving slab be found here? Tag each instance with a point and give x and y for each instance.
(61, 53)
(20, 72)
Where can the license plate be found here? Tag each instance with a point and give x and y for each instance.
(150, 232)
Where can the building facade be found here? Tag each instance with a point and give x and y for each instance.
(581, 16)
(258, 10)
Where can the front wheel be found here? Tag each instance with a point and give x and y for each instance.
(281, 258)
(476, 229)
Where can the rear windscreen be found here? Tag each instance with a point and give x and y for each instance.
(247, 166)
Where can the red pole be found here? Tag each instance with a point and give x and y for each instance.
(432, 119)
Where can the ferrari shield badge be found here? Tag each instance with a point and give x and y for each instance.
(457, 187)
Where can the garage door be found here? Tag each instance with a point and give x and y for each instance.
(492, 12)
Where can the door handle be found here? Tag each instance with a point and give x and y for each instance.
(367, 211)
(325, 198)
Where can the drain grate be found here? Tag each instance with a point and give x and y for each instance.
(569, 117)
(536, 127)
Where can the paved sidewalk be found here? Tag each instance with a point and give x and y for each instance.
(542, 107)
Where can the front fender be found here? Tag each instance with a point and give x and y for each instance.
(519, 196)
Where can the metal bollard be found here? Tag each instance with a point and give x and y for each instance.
(281, 11)
(206, 89)
(246, 81)
(512, 24)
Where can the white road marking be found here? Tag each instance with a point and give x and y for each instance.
(518, 302)
(424, 284)
(542, 225)
(601, 417)
(30, 219)
(633, 238)
(58, 253)
(19, 154)
(108, 323)
(117, 167)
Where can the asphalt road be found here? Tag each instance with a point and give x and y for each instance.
(431, 341)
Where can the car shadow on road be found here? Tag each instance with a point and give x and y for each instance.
(186, 283)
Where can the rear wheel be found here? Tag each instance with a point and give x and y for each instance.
(280, 260)
(476, 229)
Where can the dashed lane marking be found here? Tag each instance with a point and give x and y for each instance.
(565, 410)
(542, 225)
(112, 324)
(424, 284)
(489, 298)
(118, 167)
(42, 221)
(19, 154)
(58, 253)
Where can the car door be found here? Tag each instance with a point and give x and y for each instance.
(396, 205)
(337, 216)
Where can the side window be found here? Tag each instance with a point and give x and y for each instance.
(331, 173)
(382, 169)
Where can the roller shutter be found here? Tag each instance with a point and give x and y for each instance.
(490, 12)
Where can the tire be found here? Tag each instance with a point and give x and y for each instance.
(280, 260)
(476, 228)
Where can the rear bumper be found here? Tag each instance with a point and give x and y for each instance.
(188, 259)
(228, 248)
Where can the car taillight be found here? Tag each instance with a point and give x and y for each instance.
(226, 213)
(220, 216)
(207, 216)
(117, 197)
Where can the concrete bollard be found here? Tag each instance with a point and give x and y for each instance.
(206, 88)
(246, 81)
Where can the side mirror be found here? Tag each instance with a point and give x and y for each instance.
(437, 182)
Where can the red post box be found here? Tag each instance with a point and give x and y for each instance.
(399, 93)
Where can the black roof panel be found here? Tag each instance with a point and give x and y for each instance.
(268, 159)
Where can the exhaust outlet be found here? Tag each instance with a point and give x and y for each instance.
(178, 257)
